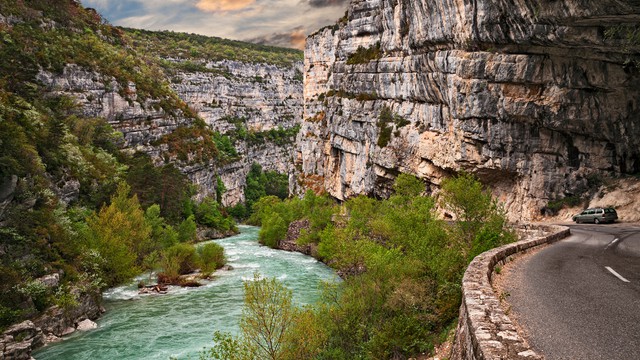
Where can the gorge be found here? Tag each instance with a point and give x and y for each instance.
(539, 99)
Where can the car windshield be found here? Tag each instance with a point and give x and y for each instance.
(609, 210)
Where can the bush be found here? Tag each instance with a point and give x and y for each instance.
(273, 230)
(178, 260)
(187, 230)
(364, 55)
(211, 257)
(209, 213)
(120, 233)
(401, 266)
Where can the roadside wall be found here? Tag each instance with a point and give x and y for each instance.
(484, 330)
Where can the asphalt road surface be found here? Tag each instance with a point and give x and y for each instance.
(580, 298)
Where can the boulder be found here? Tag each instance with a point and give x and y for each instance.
(86, 324)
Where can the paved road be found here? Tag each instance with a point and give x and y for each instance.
(580, 298)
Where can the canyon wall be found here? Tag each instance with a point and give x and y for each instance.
(258, 97)
(539, 99)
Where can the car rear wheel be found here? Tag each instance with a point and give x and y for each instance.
(596, 221)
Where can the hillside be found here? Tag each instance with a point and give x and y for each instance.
(97, 124)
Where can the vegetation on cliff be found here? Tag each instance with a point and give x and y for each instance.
(402, 270)
(197, 50)
(71, 202)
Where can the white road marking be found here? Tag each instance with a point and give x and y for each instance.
(616, 274)
(612, 243)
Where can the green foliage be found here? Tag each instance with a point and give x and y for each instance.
(402, 267)
(554, 206)
(37, 292)
(187, 230)
(211, 257)
(64, 298)
(164, 185)
(260, 184)
(121, 235)
(162, 234)
(364, 55)
(271, 327)
(408, 185)
(210, 214)
(220, 189)
(274, 229)
(627, 36)
(194, 48)
(386, 122)
(238, 211)
(274, 216)
(228, 152)
(480, 219)
(178, 260)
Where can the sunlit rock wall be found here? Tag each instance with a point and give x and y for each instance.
(537, 98)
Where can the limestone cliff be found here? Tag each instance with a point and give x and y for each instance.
(256, 96)
(537, 98)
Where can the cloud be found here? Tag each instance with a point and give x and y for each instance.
(325, 3)
(294, 38)
(223, 5)
(273, 22)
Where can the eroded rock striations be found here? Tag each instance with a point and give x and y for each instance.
(259, 97)
(536, 98)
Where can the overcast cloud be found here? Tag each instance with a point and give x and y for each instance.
(273, 22)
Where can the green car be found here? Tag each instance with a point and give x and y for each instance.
(596, 216)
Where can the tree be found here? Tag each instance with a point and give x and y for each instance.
(481, 221)
(121, 235)
(408, 185)
(271, 327)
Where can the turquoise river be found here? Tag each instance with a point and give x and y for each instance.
(180, 324)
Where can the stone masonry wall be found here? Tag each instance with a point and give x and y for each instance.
(484, 330)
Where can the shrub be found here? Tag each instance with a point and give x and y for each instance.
(211, 257)
(273, 230)
(364, 55)
(187, 230)
(121, 235)
(178, 260)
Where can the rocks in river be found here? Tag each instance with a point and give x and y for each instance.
(86, 324)
(17, 342)
(152, 289)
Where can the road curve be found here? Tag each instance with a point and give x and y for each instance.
(580, 298)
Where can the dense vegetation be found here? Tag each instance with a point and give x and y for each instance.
(385, 123)
(364, 55)
(120, 214)
(402, 270)
(260, 184)
(194, 49)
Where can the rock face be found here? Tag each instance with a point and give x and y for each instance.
(17, 342)
(260, 97)
(536, 98)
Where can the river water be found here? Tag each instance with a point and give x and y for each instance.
(180, 324)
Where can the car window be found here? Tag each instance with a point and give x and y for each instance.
(584, 212)
(599, 211)
(589, 212)
(609, 210)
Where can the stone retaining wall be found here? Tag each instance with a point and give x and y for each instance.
(484, 330)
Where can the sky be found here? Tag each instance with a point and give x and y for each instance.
(275, 22)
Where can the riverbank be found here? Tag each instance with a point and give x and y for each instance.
(181, 323)
(20, 340)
